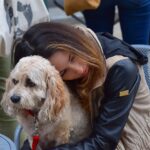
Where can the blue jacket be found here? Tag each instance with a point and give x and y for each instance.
(114, 110)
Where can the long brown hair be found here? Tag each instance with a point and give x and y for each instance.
(45, 39)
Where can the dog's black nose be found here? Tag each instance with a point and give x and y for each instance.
(15, 98)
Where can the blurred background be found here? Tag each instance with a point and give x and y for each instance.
(56, 11)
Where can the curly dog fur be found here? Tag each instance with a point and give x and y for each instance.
(35, 91)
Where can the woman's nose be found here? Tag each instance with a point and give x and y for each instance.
(76, 67)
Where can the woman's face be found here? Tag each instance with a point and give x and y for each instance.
(69, 65)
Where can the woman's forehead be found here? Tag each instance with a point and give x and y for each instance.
(60, 60)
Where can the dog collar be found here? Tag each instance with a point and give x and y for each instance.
(35, 136)
(30, 112)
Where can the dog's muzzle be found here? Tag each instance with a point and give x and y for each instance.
(15, 98)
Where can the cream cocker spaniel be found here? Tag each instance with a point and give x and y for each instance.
(37, 96)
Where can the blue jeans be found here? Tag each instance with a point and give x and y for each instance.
(134, 16)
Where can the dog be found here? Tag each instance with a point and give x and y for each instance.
(41, 102)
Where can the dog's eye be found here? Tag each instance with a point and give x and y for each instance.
(15, 81)
(29, 83)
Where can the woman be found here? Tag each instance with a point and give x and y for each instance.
(112, 83)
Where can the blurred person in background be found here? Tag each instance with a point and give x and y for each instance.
(134, 17)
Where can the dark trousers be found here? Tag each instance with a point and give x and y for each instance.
(134, 16)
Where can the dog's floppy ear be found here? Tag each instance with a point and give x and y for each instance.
(5, 102)
(56, 99)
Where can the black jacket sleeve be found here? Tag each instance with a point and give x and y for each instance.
(114, 110)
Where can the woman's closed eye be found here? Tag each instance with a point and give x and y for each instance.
(70, 60)
(62, 73)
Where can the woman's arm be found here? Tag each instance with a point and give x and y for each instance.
(120, 90)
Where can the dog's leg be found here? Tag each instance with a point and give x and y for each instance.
(61, 134)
